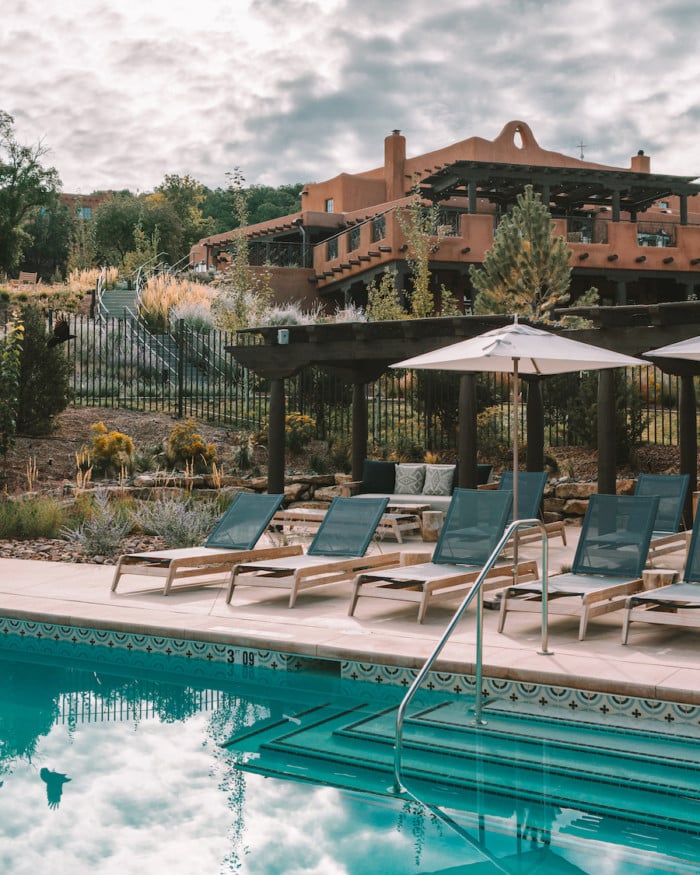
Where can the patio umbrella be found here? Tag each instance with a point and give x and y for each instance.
(519, 349)
(684, 349)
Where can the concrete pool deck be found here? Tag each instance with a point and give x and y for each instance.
(660, 662)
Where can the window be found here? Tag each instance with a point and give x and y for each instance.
(378, 228)
(332, 248)
(353, 239)
(330, 205)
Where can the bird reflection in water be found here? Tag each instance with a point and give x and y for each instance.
(54, 786)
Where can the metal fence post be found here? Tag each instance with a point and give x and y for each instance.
(180, 347)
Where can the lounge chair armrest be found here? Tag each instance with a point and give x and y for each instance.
(352, 487)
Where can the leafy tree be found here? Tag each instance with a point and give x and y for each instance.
(44, 380)
(81, 245)
(218, 206)
(49, 230)
(263, 203)
(24, 185)
(115, 220)
(383, 299)
(245, 293)
(121, 218)
(527, 271)
(185, 195)
(419, 227)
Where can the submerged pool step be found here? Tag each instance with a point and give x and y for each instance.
(566, 749)
(661, 784)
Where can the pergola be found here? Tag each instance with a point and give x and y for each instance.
(564, 189)
(360, 352)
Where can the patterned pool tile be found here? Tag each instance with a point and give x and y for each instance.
(604, 707)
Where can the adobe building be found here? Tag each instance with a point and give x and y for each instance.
(84, 204)
(633, 234)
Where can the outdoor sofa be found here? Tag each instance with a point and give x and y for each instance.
(410, 483)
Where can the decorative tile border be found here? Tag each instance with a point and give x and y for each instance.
(216, 659)
(539, 699)
(204, 652)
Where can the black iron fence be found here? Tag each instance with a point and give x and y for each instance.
(188, 373)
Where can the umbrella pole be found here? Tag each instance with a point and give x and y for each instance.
(516, 463)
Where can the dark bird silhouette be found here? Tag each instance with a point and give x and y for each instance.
(61, 332)
(54, 786)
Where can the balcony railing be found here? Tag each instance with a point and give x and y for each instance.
(656, 233)
(267, 252)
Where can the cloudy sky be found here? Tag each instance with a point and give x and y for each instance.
(121, 94)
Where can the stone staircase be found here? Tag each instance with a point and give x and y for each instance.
(118, 303)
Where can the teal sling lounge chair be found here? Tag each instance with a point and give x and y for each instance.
(610, 556)
(673, 605)
(475, 522)
(672, 490)
(336, 553)
(233, 540)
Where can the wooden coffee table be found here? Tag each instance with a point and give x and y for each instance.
(415, 509)
(307, 520)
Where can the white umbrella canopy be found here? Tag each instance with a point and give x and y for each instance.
(533, 350)
(684, 349)
(519, 349)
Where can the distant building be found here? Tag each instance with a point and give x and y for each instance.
(633, 234)
(84, 204)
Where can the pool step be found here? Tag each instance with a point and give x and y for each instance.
(573, 764)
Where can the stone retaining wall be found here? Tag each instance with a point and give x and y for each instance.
(563, 499)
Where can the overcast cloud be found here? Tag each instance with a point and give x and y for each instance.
(121, 94)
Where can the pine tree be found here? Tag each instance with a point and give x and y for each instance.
(527, 271)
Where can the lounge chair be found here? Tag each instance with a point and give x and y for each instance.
(608, 563)
(672, 490)
(673, 605)
(336, 553)
(233, 539)
(531, 486)
(474, 523)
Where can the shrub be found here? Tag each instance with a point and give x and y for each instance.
(180, 523)
(187, 447)
(10, 369)
(299, 430)
(100, 534)
(29, 518)
(44, 385)
(111, 452)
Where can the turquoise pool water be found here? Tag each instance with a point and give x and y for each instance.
(134, 763)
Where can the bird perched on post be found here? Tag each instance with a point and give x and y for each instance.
(61, 332)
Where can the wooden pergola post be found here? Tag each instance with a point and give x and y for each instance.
(276, 438)
(360, 430)
(466, 435)
(607, 471)
(688, 441)
(535, 424)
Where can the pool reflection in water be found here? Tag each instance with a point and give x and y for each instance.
(125, 769)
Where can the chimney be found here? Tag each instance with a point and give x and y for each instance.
(640, 162)
(394, 165)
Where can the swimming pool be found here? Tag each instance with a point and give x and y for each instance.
(136, 762)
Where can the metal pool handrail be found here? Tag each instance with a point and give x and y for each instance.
(476, 589)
